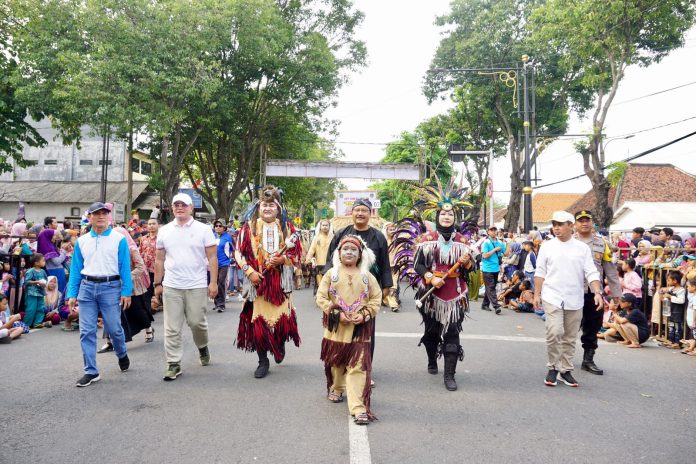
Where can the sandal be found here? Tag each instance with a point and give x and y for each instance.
(361, 419)
(149, 335)
(69, 329)
(335, 397)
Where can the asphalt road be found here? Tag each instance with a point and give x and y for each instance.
(641, 410)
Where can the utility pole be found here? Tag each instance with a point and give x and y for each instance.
(527, 190)
(105, 164)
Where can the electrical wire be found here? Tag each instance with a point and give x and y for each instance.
(625, 160)
(653, 94)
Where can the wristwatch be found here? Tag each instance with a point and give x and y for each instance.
(428, 275)
(158, 284)
(245, 267)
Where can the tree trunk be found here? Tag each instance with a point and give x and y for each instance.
(512, 217)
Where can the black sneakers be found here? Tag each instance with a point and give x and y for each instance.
(220, 309)
(568, 379)
(551, 378)
(497, 310)
(124, 363)
(87, 380)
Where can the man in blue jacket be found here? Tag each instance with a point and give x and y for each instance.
(224, 251)
(100, 280)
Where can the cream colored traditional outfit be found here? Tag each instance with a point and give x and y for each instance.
(345, 348)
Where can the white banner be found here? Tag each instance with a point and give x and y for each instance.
(346, 198)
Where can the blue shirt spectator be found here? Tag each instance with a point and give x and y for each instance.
(492, 263)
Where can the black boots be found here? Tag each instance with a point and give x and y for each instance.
(452, 353)
(262, 370)
(431, 350)
(588, 363)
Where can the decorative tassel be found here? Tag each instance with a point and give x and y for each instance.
(260, 336)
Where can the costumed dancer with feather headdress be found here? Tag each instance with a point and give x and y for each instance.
(437, 263)
(267, 249)
(350, 297)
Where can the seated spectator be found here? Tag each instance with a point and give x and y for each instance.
(8, 330)
(631, 323)
(52, 301)
(525, 303)
(512, 291)
(69, 316)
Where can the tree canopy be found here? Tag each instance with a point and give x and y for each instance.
(209, 83)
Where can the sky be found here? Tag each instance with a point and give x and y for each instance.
(385, 98)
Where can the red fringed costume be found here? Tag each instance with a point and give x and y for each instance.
(268, 318)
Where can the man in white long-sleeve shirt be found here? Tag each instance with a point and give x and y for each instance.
(563, 266)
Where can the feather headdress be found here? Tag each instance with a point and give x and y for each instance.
(268, 193)
(434, 198)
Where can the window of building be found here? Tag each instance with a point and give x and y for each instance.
(145, 168)
(86, 163)
(135, 165)
(50, 162)
(108, 162)
(75, 211)
(31, 162)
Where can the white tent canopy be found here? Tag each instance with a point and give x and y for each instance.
(678, 216)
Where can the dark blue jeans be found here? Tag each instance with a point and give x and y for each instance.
(104, 298)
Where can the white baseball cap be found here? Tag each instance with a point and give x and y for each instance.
(182, 197)
(562, 216)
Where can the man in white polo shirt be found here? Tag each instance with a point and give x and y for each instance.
(185, 249)
(563, 266)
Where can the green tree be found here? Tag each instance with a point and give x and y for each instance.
(472, 129)
(14, 129)
(598, 40)
(226, 73)
(279, 72)
(485, 34)
(397, 196)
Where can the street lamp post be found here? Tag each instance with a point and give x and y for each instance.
(527, 190)
(604, 147)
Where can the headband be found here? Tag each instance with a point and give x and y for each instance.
(362, 202)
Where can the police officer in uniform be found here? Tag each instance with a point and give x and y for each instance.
(591, 317)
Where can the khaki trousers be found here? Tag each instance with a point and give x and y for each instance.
(562, 328)
(178, 305)
(350, 380)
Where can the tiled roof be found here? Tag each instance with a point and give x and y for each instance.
(544, 204)
(646, 182)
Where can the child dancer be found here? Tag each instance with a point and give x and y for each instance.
(350, 297)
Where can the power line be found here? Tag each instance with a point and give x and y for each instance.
(656, 127)
(655, 93)
(625, 160)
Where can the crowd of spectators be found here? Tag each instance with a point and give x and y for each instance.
(657, 269)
